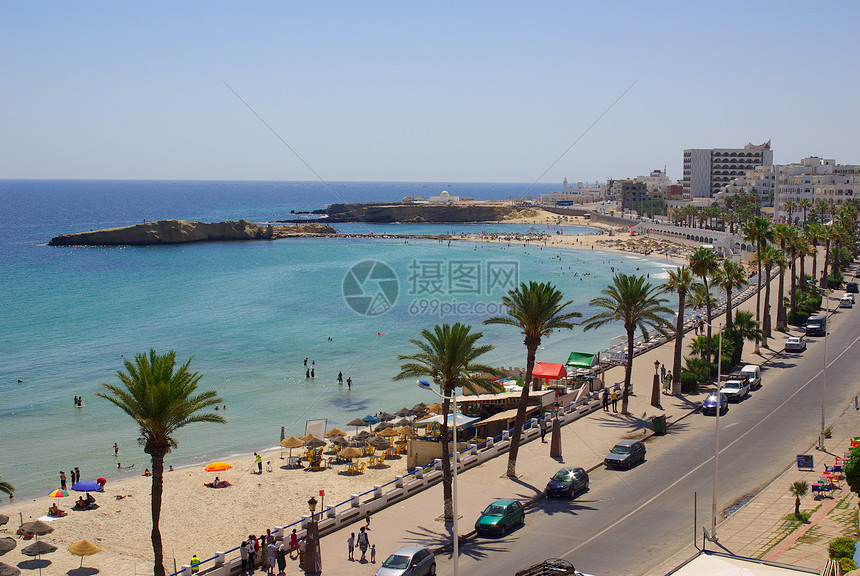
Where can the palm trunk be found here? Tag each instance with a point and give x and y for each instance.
(826, 265)
(780, 301)
(797, 507)
(814, 261)
(157, 491)
(765, 325)
(447, 492)
(708, 312)
(793, 295)
(758, 291)
(728, 306)
(521, 411)
(679, 345)
(628, 371)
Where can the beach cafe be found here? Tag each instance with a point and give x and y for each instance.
(426, 447)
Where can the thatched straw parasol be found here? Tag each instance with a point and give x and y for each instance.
(314, 443)
(340, 441)
(306, 437)
(388, 433)
(379, 443)
(7, 545)
(3, 519)
(6, 570)
(334, 433)
(36, 527)
(84, 548)
(350, 453)
(385, 416)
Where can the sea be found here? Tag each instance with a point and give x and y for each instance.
(247, 314)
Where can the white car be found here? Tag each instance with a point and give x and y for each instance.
(849, 295)
(846, 302)
(795, 344)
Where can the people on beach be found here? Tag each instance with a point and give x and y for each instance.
(306, 361)
(259, 460)
(350, 546)
(271, 557)
(146, 472)
(62, 480)
(340, 378)
(349, 383)
(373, 553)
(605, 399)
(282, 559)
(115, 449)
(294, 540)
(307, 373)
(312, 373)
(367, 519)
(363, 543)
(268, 465)
(195, 564)
(614, 400)
(251, 549)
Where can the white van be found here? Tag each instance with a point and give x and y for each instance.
(754, 373)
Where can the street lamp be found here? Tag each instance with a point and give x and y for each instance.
(425, 385)
(313, 558)
(713, 535)
(824, 382)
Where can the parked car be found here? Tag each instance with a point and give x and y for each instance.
(816, 325)
(625, 454)
(735, 388)
(753, 373)
(709, 405)
(567, 482)
(409, 561)
(795, 344)
(501, 516)
(852, 287)
(849, 295)
(846, 301)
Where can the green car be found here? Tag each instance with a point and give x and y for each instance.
(500, 516)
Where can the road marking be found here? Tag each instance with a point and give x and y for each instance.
(697, 468)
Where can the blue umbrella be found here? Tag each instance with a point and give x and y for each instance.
(87, 486)
(370, 419)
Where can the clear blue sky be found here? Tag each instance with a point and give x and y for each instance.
(418, 91)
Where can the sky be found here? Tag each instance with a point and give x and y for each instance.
(441, 91)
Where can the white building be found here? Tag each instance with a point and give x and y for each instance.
(443, 197)
(579, 193)
(810, 180)
(657, 181)
(706, 171)
(761, 181)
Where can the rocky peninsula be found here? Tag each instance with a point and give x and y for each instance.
(183, 231)
(422, 213)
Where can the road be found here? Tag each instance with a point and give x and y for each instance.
(630, 521)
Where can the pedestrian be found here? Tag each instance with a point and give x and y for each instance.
(271, 557)
(294, 541)
(605, 400)
(62, 480)
(259, 460)
(115, 449)
(243, 555)
(662, 373)
(195, 564)
(312, 373)
(363, 543)
(373, 553)
(350, 546)
(340, 377)
(306, 361)
(269, 538)
(302, 545)
(268, 465)
(251, 550)
(282, 559)
(367, 519)
(614, 400)
(669, 379)
(77, 474)
(307, 373)
(349, 383)
(542, 429)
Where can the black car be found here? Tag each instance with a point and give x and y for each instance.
(625, 454)
(851, 287)
(567, 482)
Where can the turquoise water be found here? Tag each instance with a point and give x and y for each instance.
(249, 313)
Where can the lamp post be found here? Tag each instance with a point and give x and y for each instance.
(313, 558)
(713, 534)
(824, 371)
(655, 386)
(425, 385)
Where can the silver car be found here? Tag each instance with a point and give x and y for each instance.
(409, 561)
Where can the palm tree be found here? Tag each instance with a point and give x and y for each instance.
(789, 205)
(759, 231)
(637, 303)
(798, 490)
(805, 204)
(681, 281)
(743, 328)
(793, 245)
(703, 263)
(771, 256)
(448, 355)
(537, 310)
(813, 235)
(781, 235)
(729, 276)
(161, 400)
(6, 488)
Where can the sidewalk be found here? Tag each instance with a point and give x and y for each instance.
(765, 527)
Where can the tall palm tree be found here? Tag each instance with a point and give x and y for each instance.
(6, 488)
(703, 263)
(813, 235)
(638, 304)
(681, 281)
(798, 490)
(729, 276)
(161, 400)
(759, 231)
(771, 256)
(537, 310)
(793, 243)
(781, 235)
(805, 204)
(743, 328)
(449, 356)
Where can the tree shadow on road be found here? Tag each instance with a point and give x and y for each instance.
(553, 506)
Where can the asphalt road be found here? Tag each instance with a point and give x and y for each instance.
(631, 521)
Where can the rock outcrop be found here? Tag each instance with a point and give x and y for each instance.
(422, 213)
(181, 232)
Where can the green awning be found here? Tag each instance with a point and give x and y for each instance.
(581, 360)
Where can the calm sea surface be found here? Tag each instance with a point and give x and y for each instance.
(249, 313)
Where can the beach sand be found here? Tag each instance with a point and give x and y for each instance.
(194, 519)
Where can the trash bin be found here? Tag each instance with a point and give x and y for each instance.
(659, 424)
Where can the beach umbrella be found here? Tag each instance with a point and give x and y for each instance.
(3, 519)
(292, 442)
(379, 442)
(334, 433)
(361, 436)
(38, 548)
(84, 548)
(436, 408)
(350, 453)
(218, 467)
(388, 433)
(370, 419)
(87, 486)
(306, 437)
(6, 570)
(6, 545)
(403, 413)
(314, 443)
(340, 441)
(385, 416)
(36, 527)
(403, 423)
(357, 422)
(58, 493)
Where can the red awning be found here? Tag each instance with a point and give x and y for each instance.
(549, 371)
